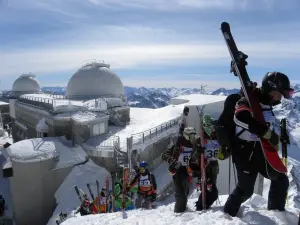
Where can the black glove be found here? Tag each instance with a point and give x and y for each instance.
(153, 199)
(272, 137)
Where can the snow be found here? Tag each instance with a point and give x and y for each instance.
(3, 103)
(86, 116)
(66, 197)
(143, 119)
(253, 212)
(46, 148)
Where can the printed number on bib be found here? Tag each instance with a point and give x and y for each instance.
(211, 154)
(145, 182)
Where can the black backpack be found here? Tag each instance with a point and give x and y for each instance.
(225, 126)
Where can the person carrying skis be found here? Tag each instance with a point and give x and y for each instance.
(177, 156)
(247, 153)
(118, 195)
(211, 149)
(146, 187)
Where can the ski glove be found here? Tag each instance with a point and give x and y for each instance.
(153, 199)
(272, 137)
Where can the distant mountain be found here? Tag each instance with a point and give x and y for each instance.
(160, 97)
(224, 91)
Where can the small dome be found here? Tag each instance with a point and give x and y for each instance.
(94, 80)
(26, 83)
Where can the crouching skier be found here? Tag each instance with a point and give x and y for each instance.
(177, 156)
(211, 149)
(147, 188)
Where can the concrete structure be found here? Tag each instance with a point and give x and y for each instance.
(39, 168)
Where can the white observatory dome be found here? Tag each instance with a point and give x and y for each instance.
(94, 80)
(26, 83)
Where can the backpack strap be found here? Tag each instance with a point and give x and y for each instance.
(239, 133)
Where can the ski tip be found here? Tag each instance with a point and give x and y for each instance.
(225, 26)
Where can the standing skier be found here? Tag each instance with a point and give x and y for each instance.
(211, 150)
(247, 153)
(177, 156)
(146, 186)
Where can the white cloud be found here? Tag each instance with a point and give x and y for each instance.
(70, 57)
(179, 83)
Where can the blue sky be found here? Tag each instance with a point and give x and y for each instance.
(157, 43)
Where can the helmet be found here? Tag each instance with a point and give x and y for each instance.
(144, 164)
(276, 81)
(207, 123)
(188, 131)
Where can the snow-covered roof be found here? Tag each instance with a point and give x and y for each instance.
(199, 99)
(98, 80)
(142, 119)
(87, 116)
(38, 149)
(4, 103)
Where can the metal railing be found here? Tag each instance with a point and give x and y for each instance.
(142, 137)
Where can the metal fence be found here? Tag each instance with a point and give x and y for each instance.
(142, 137)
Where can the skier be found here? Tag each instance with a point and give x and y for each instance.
(86, 208)
(177, 156)
(2, 205)
(247, 153)
(211, 150)
(118, 195)
(146, 187)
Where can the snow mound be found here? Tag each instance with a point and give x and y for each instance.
(45, 148)
(252, 212)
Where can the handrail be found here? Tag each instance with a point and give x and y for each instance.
(142, 137)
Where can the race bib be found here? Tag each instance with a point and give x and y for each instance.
(144, 181)
(211, 150)
(185, 155)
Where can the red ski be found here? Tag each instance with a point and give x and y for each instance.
(239, 68)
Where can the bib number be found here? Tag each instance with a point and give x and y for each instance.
(145, 183)
(211, 153)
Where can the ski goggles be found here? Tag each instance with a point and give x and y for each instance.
(142, 169)
(288, 93)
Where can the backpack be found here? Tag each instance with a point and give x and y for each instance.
(225, 126)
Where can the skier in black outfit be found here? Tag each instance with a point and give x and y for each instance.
(247, 153)
(177, 156)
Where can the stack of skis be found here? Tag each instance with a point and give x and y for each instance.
(102, 202)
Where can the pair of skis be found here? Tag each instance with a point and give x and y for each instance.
(124, 194)
(202, 159)
(239, 69)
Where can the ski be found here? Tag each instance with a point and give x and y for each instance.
(239, 69)
(125, 181)
(98, 194)
(61, 218)
(78, 194)
(91, 193)
(284, 142)
(202, 142)
(106, 194)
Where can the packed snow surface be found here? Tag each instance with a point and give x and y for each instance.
(252, 212)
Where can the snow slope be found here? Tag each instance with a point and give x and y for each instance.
(253, 212)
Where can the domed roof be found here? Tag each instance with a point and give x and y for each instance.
(94, 80)
(26, 83)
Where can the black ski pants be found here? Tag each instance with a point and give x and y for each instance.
(182, 185)
(249, 161)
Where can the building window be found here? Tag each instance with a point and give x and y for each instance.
(98, 129)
